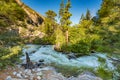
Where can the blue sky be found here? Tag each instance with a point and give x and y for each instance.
(78, 7)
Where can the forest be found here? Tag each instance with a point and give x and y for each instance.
(93, 34)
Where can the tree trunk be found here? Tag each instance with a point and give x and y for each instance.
(29, 64)
(66, 36)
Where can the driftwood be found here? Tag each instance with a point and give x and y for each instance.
(28, 62)
(30, 65)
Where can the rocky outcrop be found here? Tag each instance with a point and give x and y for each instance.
(46, 73)
(35, 18)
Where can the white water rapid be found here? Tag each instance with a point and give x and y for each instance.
(47, 52)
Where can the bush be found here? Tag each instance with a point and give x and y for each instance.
(105, 74)
(8, 56)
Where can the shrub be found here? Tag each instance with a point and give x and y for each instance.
(8, 56)
(105, 74)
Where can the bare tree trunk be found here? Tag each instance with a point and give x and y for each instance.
(29, 64)
(66, 36)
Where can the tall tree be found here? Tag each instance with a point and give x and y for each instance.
(50, 22)
(105, 10)
(66, 19)
(51, 14)
(61, 12)
(88, 15)
(82, 18)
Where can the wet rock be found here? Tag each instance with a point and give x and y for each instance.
(41, 60)
(40, 64)
(9, 78)
(14, 73)
(71, 56)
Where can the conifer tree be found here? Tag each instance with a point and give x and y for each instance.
(88, 15)
(50, 22)
(61, 12)
(66, 19)
(82, 18)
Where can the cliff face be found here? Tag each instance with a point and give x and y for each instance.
(36, 19)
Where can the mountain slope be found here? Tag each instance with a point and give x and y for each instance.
(36, 18)
(18, 21)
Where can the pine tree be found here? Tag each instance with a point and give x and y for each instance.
(50, 22)
(65, 15)
(61, 12)
(88, 15)
(66, 19)
(51, 14)
(82, 18)
(106, 6)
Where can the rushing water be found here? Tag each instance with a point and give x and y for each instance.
(47, 52)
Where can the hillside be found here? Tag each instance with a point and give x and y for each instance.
(17, 19)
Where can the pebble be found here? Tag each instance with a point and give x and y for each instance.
(14, 73)
(38, 69)
(39, 74)
(19, 75)
(27, 71)
(20, 72)
(31, 77)
(38, 77)
(9, 78)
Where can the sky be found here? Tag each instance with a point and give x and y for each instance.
(78, 7)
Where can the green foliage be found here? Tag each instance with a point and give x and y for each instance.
(82, 18)
(60, 38)
(51, 14)
(81, 48)
(88, 15)
(61, 10)
(50, 24)
(104, 73)
(68, 71)
(8, 56)
(105, 11)
(10, 12)
(10, 38)
(65, 16)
